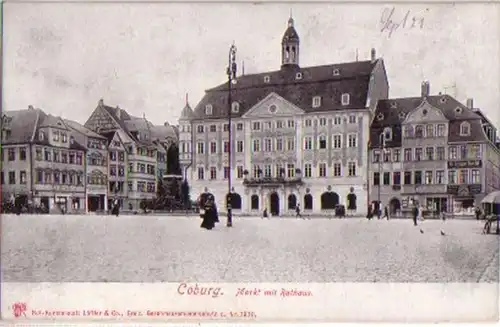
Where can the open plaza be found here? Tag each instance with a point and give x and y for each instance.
(38, 248)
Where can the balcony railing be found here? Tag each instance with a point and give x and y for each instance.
(272, 181)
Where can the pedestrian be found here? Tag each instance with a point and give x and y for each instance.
(209, 215)
(415, 214)
(379, 210)
(386, 213)
(369, 215)
(17, 204)
(477, 211)
(297, 212)
(264, 214)
(115, 210)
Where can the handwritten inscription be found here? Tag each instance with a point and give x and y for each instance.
(392, 21)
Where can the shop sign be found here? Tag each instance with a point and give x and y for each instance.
(464, 190)
(453, 164)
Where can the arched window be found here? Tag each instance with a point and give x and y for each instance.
(254, 201)
(465, 129)
(292, 202)
(235, 201)
(308, 202)
(419, 131)
(329, 200)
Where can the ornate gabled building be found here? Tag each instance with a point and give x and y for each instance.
(300, 135)
(431, 149)
(41, 160)
(133, 152)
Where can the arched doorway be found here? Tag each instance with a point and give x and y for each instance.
(254, 202)
(351, 201)
(394, 206)
(329, 200)
(274, 200)
(235, 201)
(292, 202)
(308, 202)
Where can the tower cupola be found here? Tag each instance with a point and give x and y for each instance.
(290, 46)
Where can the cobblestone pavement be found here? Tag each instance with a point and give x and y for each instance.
(160, 249)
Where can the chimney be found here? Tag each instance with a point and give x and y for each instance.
(470, 103)
(118, 112)
(101, 103)
(243, 68)
(373, 55)
(425, 89)
(187, 99)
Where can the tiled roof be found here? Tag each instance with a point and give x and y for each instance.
(22, 125)
(187, 112)
(82, 129)
(51, 121)
(393, 111)
(162, 132)
(328, 81)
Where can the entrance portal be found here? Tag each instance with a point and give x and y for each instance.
(274, 200)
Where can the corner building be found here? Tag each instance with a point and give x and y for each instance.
(299, 135)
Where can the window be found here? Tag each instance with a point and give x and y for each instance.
(239, 127)
(407, 178)
(336, 72)
(213, 147)
(307, 170)
(239, 146)
(345, 99)
(337, 141)
(64, 137)
(396, 155)
(475, 176)
(213, 173)
(429, 153)
(308, 143)
(267, 171)
(396, 178)
(291, 124)
(200, 128)
(212, 128)
(201, 148)
(208, 109)
(226, 146)
(408, 131)
(429, 131)
(279, 124)
(267, 79)
(452, 177)
(441, 130)
(41, 135)
(280, 171)
(387, 155)
(322, 122)
(226, 172)
(463, 178)
(22, 154)
(464, 129)
(48, 155)
(418, 177)
(279, 145)
(352, 140)
(351, 168)
(322, 142)
(387, 178)
(290, 144)
(235, 107)
(308, 123)
(337, 169)
(11, 154)
(239, 172)
(56, 136)
(418, 154)
(337, 120)
(316, 102)
(256, 145)
(12, 177)
(440, 177)
(463, 152)
(298, 76)
(376, 178)
(419, 131)
(428, 177)
(322, 169)
(256, 126)
(269, 125)
(452, 152)
(201, 173)
(440, 153)
(225, 127)
(376, 156)
(256, 171)
(387, 134)
(290, 170)
(352, 119)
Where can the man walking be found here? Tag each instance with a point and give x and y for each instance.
(297, 212)
(415, 214)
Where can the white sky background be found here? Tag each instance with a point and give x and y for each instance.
(144, 57)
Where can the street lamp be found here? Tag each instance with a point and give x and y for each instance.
(382, 144)
(231, 75)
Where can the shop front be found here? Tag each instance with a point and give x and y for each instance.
(463, 197)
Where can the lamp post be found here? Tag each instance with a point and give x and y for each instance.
(231, 76)
(382, 144)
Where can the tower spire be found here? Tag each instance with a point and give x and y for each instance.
(290, 45)
(187, 99)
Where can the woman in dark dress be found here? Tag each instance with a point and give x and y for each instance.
(209, 217)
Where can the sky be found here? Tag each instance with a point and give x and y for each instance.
(145, 58)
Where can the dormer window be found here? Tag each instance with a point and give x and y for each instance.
(336, 72)
(235, 107)
(71, 140)
(380, 116)
(442, 100)
(316, 103)
(388, 134)
(298, 76)
(402, 115)
(458, 110)
(267, 79)
(41, 135)
(465, 129)
(394, 105)
(345, 99)
(208, 109)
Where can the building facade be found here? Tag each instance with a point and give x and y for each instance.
(42, 161)
(431, 149)
(299, 135)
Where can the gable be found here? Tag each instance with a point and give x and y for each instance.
(116, 142)
(273, 106)
(425, 113)
(101, 121)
